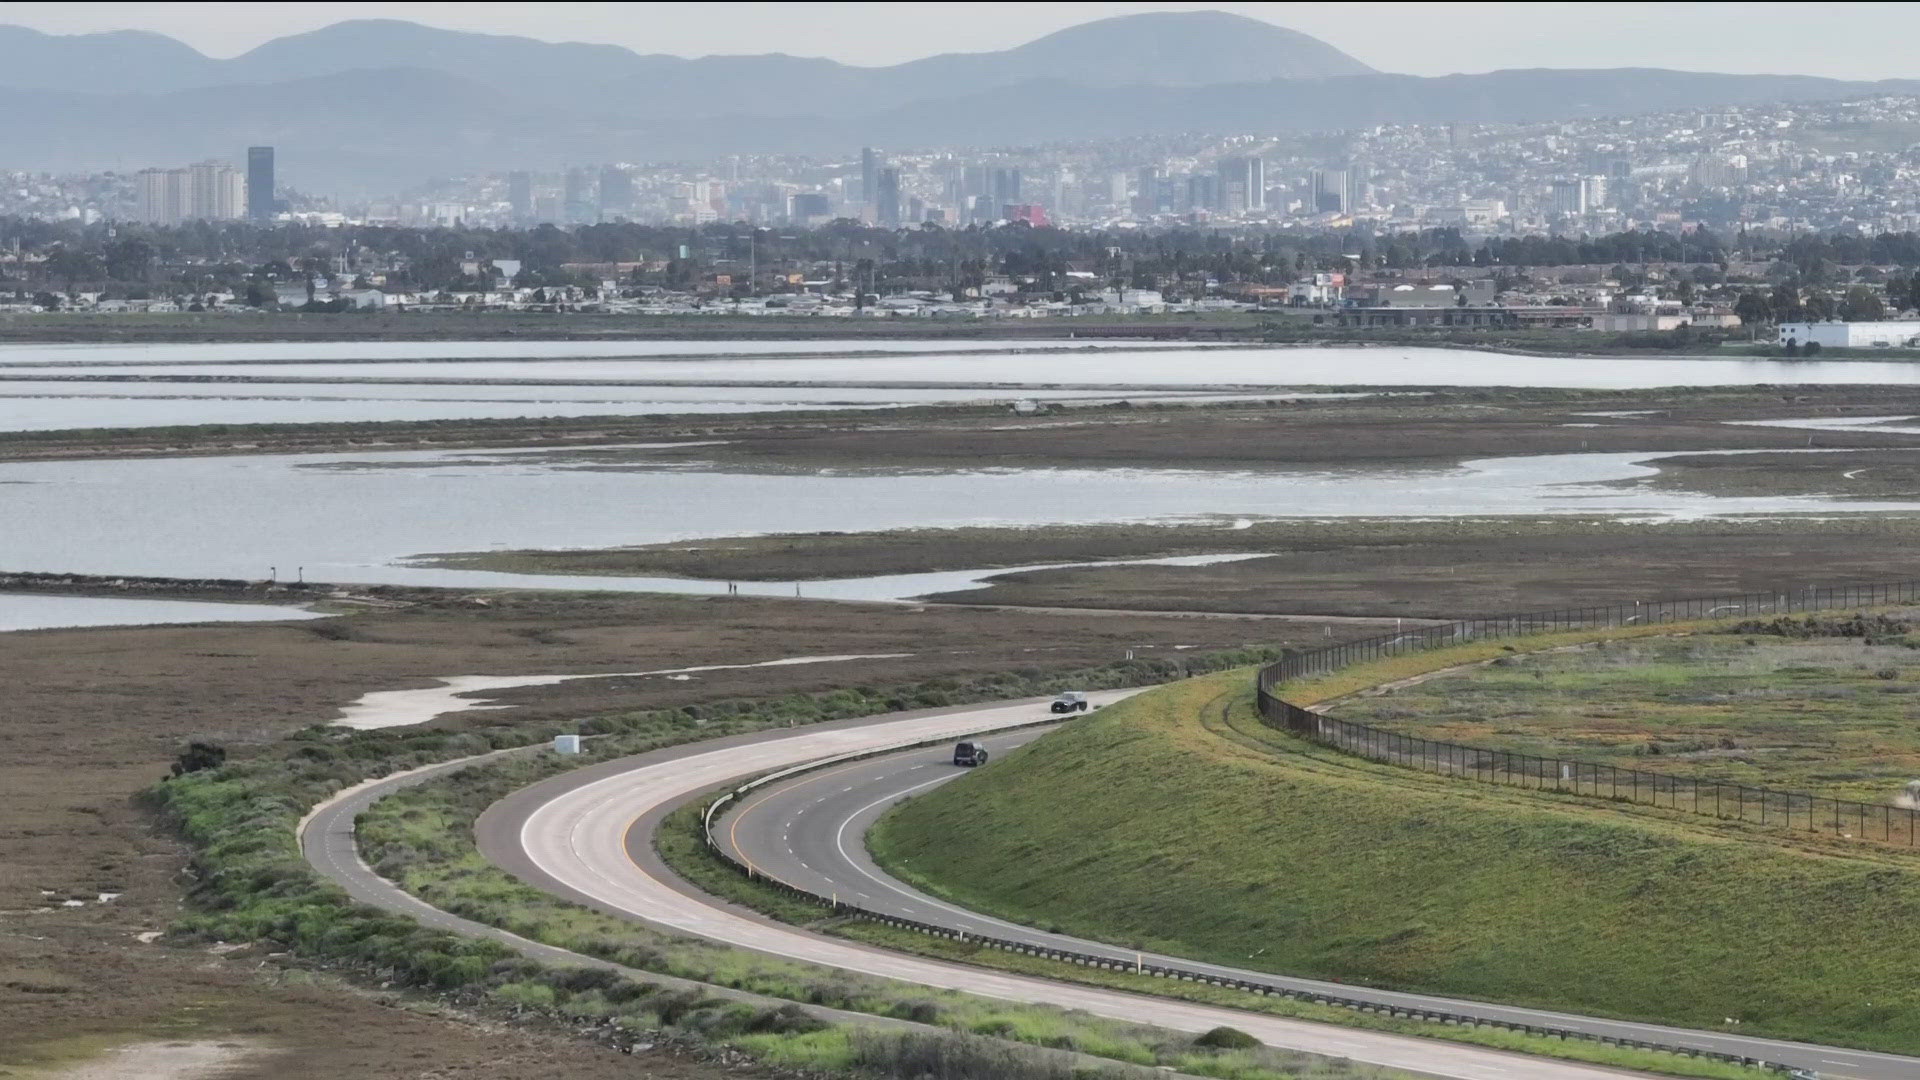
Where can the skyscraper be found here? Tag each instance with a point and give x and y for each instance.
(616, 190)
(1243, 184)
(579, 206)
(1568, 197)
(869, 176)
(1203, 192)
(1146, 200)
(1331, 193)
(520, 196)
(1006, 189)
(1593, 192)
(886, 206)
(260, 182)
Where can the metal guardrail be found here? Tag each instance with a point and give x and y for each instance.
(1139, 967)
(1844, 818)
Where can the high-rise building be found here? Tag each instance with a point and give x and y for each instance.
(1359, 177)
(1568, 197)
(1243, 184)
(207, 191)
(1006, 188)
(1203, 191)
(215, 192)
(869, 176)
(579, 196)
(1331, 191)
(886, 203)
(1593, 192)
(1147, 189)
(163, 198)
(616, 190)
(520, 196)
(260, 182)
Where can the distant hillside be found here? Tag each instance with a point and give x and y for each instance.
(375, 105)
(1159, 49)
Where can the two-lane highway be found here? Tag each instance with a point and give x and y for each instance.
(584, 836)
(810, 832)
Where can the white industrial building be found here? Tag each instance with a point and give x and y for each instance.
(1850, 335)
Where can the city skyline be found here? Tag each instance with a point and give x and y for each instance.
(1692, 37)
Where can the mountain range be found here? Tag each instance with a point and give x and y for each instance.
(370, 105)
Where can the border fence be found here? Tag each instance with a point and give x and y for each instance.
(1733, 802)
(1138, 965)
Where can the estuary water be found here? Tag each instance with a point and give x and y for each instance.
(360, 518)
(1119, 365)
(38, 611)
(58, 406)
(83, 386)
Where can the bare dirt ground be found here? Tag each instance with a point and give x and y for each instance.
(92, 716)
(102, 1007)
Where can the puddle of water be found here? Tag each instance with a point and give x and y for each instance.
(1891, 425)
(35, 611)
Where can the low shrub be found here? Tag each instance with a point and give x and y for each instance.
(1226, 1038)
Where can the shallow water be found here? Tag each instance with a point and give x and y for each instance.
(37, 611)
(55, 406)
(357, 517)
(268, 351)
(1896, 425)
(1124, 364)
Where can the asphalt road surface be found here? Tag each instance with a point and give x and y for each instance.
(809, 832)
(583, 836)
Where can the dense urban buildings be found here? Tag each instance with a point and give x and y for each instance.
(1783, 167)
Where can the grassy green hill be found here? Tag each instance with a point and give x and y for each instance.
(1173, 821)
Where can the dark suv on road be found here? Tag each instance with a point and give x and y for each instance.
(969, 754)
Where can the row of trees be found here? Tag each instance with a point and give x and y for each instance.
(203, 256)
(1797, 302)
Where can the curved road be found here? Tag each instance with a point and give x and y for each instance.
(809, 832)
(583, 835)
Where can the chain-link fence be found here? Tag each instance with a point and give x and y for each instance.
(1765, 806)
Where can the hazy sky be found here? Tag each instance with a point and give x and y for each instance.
(1852, 41)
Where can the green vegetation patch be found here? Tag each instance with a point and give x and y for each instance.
(1824, 704)
(1138, 824)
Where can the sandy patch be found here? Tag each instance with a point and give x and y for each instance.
(193, 1060)
(398, 708)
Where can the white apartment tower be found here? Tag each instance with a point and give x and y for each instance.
(208, 191)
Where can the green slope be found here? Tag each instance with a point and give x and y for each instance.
(1150, 823)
